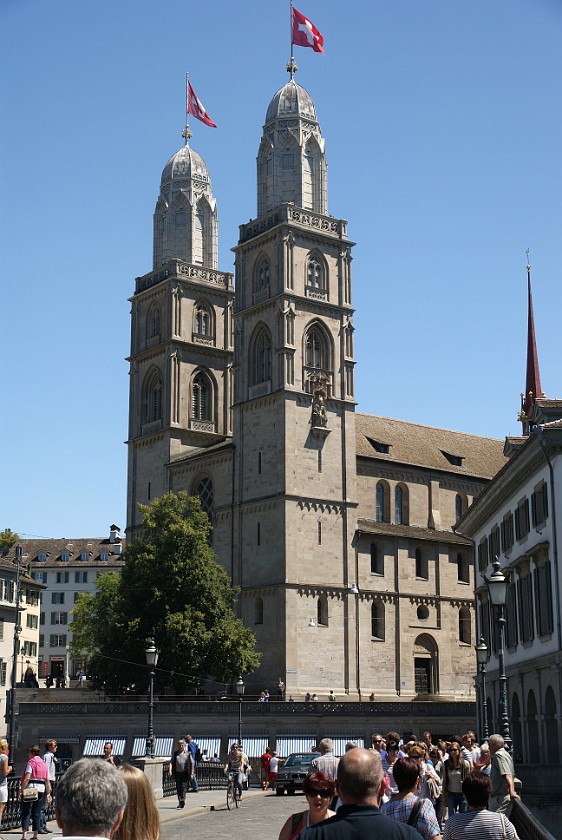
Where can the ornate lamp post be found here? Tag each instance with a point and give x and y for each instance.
(16, 649)
(240, 688)
(482, 658)
(497, 588)
(151, 660)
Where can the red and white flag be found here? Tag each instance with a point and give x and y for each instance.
(305, 33)
(195, 107)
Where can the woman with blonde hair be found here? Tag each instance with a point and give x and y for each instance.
(140, 820)
(5, 771)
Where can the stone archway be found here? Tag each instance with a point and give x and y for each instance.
(533, 729)
(516, 733)
(426, 665)
(551, 727)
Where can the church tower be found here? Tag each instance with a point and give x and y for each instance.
(293, 412)
(181, 335)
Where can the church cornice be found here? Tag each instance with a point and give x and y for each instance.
(289, 214)
(180, 270)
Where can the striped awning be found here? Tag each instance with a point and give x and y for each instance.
(339, 742)
(253, 745)
(287, 744)
(210, 743)
(93, 747)
(163, 746)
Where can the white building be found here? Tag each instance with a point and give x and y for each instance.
(66, 568)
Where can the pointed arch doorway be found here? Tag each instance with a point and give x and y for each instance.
(426, 665)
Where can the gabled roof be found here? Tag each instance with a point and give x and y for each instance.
(400, 442)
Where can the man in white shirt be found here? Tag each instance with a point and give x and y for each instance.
(91, 799)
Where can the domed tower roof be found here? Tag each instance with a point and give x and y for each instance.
(185, 164)
(291, 100)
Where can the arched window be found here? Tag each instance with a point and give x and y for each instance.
(422, 570)
(152, 397)
(382, 502)
(398, 505)
(263, 275)
(315, 273)
(463, 568)
(203, 489)
(458, 507)
(316, 350)
(153, 321)
(464, 626)
(202, 320)
(201, 402)
(377, 621)
(258, 611)
(261, 357)
(322, 610)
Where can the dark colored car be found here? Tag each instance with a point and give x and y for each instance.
(292, 772)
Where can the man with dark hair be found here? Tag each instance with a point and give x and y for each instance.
(478, 823)
(360, 782)
(91, 799)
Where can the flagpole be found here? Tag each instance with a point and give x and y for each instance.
(292, 66)
(186, 133)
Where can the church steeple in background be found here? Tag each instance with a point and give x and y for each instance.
(533, 388)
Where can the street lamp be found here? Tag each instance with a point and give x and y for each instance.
(151, 660)
(16, 649)
(497, 589)
(240, 688)
(482, 658)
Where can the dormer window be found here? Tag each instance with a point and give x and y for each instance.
(65, 556)
(378, 446)
(454, 460)
(85, 555)
(42, 556)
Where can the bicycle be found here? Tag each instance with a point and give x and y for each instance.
(233, 795)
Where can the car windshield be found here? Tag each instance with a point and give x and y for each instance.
(300, 758)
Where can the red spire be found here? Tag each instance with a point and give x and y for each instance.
(533, 388)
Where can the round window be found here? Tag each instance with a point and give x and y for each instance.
(423, 613)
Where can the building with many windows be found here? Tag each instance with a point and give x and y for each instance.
(65, 568)
(336, 526)
(518, 519)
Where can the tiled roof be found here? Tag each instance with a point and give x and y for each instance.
(204, 450)
(411, 532)
(400, 442)
(55, 547)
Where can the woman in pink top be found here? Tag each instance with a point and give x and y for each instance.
(35, 775)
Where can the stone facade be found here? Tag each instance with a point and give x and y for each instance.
(336, 526)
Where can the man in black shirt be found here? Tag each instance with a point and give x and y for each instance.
(360, 782)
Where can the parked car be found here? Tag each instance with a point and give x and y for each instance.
(291, 774)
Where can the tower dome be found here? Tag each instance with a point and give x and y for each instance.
(291, 158)
(185, 218)
(185, 164)
(291, 100)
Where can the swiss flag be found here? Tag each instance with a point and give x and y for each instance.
(305, 33)
(195, 107)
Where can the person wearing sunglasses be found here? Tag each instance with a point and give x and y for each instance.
(319, 790)
(455, 770)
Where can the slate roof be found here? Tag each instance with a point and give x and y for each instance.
(428, 447)
(55, 547)
(411, 532)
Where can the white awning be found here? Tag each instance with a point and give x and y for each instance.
(287, 744)
(163, 746)
(339, 743)
(253, 745)
(209, 743)
(93, 747)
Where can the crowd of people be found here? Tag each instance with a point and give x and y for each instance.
(454, 790)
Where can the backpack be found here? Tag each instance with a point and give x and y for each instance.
(198, 754)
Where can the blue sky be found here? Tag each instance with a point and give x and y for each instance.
(443, 130)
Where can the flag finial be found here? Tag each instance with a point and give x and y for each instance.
(187, 133)
(292, 67)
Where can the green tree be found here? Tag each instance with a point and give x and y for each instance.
(7, 540)
(172, 590)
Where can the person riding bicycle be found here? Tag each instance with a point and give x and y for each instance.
(237, 764)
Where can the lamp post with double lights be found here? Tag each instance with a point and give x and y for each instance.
(482, 658)
(151, 654)
(497, 589)
(240, 689)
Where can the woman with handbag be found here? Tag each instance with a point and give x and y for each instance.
(35, 792)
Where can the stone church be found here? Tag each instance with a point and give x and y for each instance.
(337, 526)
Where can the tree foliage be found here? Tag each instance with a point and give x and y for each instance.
(172, 590)
(7, 539)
